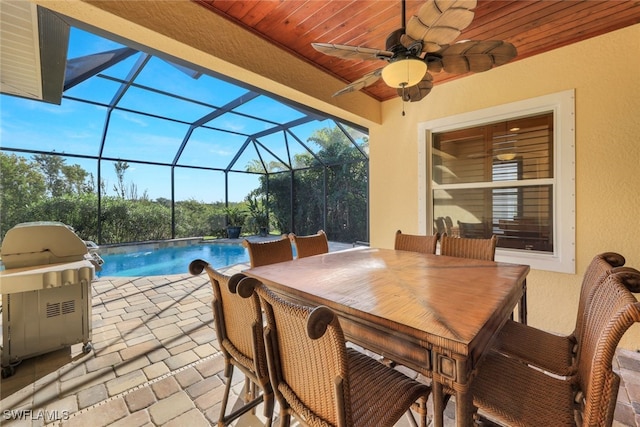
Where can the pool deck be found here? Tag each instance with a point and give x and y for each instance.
(156, 362)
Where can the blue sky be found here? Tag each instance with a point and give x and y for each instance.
(77, 127)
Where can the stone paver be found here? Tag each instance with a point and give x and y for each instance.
(156, 362)
(131, 365)
(140, 399)
(141, 349)
(125, 382)
(204, 386)
(188, 377)
(137, 419)
(182, 359)
(92, 395)
(103, 361)
(165, 387)
(192, 418)
(86, 381)
(156, 370)
(99, 415)
(171, 407)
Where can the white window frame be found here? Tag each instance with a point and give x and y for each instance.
(562, 104)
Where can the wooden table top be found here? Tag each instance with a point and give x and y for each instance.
(453, 303)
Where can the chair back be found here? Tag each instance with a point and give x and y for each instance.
(307, 358)
(269, 252)
(440, 227)
(416, 243)
(612, 310)
(474, 230)
(484, 249)
(314, 244)
(237, 321)
(448, 224)
(597, 271)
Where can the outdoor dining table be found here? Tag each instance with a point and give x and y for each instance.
(437, 315)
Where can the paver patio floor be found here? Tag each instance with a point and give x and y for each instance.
(156, 362)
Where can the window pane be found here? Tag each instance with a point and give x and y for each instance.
(521, 216)
(476, 154)
(513, 178)
(527, 140)
(467, 208)
(460, 156)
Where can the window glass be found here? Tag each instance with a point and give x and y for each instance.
(515, 152)
(507, 171)
(519, 216)
(490, 153)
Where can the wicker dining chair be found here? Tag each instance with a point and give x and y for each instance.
(416, 243)
(314, 244)
(439, 225)
(482, 249)
(551, 352)
(239, 328)
(269, 252)
(462, 247)
(510, 392)
(448, 226)
(321, 381)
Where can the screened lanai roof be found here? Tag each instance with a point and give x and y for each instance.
(123, 104)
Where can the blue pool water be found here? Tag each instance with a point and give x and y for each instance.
(171, 260)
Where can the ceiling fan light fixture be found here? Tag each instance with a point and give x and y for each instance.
(404, 72)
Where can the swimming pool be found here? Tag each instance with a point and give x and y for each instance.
(171, 260)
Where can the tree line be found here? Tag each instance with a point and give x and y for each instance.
(46, 188)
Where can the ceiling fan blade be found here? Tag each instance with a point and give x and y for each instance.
(476, 56)
(362, 82)
(439, 22)
(351, 52)
(419, 91)
(434, 62)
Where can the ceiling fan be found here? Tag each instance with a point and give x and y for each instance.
(423, 46)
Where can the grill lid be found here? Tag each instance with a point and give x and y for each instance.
(44, 242)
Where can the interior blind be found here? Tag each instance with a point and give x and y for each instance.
(504, 160)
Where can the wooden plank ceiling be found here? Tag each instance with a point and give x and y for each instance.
(533, 27)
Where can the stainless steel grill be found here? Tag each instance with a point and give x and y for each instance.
(46, 291)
